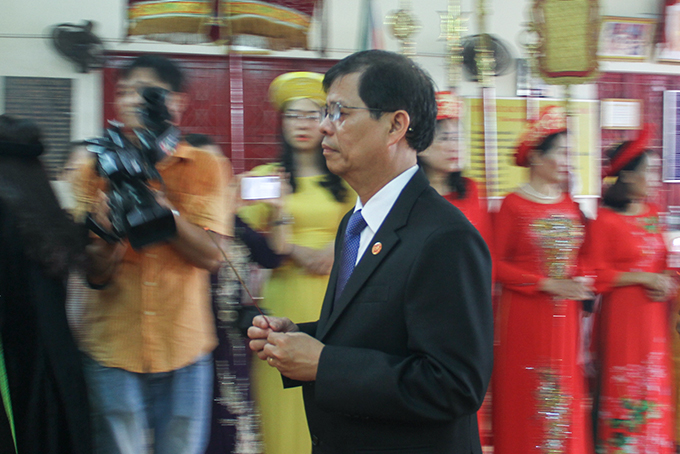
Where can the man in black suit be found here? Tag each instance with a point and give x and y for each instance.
(401, 356)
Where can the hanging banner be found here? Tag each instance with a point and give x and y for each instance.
(283, 24)
(568, 35)
(510, 123)
(186, 22)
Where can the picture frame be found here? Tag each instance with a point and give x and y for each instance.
(671, 144)
(668, 51)
(622, 114)
(626, 38)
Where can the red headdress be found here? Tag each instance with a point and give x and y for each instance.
(551, 120)
(629, 151)
(447, 105)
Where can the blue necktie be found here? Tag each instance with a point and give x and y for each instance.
(350, 248)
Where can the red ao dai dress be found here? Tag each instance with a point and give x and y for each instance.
(539, 403)
(473, 209)
(635, 409)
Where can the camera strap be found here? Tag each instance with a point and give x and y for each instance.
(98, 230)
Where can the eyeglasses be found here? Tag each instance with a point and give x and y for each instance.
(334, 110)
(309, 116)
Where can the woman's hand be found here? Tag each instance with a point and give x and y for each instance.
(314, 261)
(279, 203)
(577, 289)
(659, 286)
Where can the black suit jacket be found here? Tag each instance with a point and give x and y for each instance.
(408, 344)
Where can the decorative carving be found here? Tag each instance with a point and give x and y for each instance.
(403, 26)
(568, 32)
(451, 30)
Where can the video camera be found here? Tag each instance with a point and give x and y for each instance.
(134, 212)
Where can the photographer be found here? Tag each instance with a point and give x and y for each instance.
(149, 333)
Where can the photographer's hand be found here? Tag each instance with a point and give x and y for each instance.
(103, 259)
(101, 211)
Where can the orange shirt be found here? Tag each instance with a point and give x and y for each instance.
(155, 314)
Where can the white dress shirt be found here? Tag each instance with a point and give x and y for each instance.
(378, 207)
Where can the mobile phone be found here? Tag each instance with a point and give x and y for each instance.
(258, 188)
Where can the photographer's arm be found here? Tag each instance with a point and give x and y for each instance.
(209, 206)
(193, 243)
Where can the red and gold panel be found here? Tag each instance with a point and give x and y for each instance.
(284, 22)
(170, 17)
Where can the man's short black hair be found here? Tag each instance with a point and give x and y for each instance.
(165, 69)
(199, 140)
(392, 82)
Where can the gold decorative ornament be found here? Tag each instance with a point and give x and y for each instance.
(451, 30)
(403, 25)
(568, 33)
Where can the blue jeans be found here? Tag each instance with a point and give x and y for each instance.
(175, 407)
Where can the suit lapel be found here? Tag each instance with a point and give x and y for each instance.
(387, 235)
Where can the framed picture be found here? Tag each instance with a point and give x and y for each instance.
(669, 49)
(620, 113)
(671, 130)
(625, 38)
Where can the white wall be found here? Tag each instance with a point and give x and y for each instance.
(26, 49)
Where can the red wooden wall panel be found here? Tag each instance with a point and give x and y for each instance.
(210, 108)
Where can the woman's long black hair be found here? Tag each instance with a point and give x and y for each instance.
(50, 237)
(617, 196)
(454, 180)
(331, 182)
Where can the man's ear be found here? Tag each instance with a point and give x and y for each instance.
(399, 124)
(177, 105)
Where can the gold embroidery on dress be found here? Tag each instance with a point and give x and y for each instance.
(554, 408)
(559, 238)
(233, 390)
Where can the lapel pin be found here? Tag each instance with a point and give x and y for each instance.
(377, 247)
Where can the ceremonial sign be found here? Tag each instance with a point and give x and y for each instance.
(568, 36)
